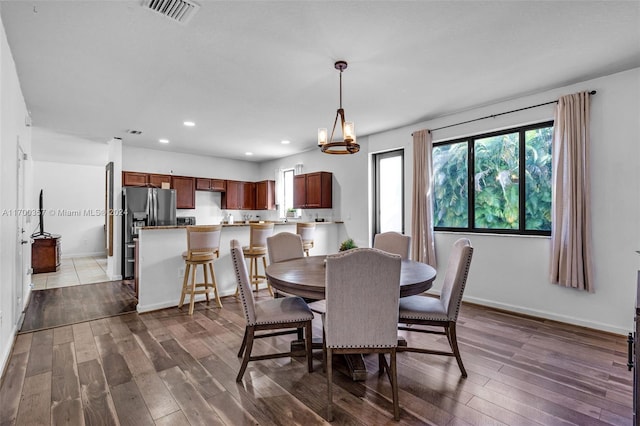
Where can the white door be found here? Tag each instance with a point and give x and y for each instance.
(22, 243)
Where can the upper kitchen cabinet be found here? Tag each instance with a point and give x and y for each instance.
(206, 184)
(239, 195)
(156, 181)
(248, 196)
(266, 195)
(134, 179)
(185, 191)
(313, 191)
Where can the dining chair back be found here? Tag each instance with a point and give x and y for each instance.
(203, 246)
(393, 242)
(442, 311)
(362, 292)
(288, 314)
(284, 246)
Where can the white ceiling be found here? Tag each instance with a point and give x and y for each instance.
(252, 73)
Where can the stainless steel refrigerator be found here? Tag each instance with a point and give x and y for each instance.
(143, 207)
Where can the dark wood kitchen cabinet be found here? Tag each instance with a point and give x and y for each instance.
(239, 196)
(313, 191)
(214, 185)
(156, 180)
(232, 197)
(266, 195)
(134, 179)
(45, 254)
(185, 191)
(248, 196)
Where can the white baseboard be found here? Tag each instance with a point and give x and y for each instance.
(91, 254)
(4, 360)
(548, 315)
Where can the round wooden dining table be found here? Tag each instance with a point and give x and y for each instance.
(305, 277)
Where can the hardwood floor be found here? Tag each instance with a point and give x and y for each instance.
(167, 368)
(69, 305)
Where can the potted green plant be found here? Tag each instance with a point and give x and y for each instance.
(347, 244)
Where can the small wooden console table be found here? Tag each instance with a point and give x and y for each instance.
(45, 253)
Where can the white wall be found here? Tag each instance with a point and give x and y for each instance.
(512, 272)
(350, 183)
(13, 132)
(73, 196)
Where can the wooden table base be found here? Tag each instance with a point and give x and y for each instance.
(355, 362)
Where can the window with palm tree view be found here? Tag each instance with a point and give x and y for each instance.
(510, 176)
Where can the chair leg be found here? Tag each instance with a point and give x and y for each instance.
(193, 290)
(394, 385)
(383, 366)
(324, 352)
(253, 271)
(329, 386)
(264, 264)
(206, 281)
(308, 344)
(185, 283)
(215, 286)
(247, 352)
(244, 343)
(451, 334)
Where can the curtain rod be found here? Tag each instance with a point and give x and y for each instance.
(593, 92)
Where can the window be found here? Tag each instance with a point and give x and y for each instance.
(389, 191)
(481, 184)
(287, 194)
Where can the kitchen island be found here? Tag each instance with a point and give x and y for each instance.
(161, 267)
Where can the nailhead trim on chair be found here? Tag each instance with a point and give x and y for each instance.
(242, 297)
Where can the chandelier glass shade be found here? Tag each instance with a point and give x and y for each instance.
(348, 143)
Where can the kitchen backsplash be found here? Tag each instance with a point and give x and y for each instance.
(208, 212)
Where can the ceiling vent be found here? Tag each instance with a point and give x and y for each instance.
(177, 10)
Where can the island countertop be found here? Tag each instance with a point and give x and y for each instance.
(225, 225)
(161, 267)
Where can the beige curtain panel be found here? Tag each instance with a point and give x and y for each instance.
(571, 206)
(422, 248)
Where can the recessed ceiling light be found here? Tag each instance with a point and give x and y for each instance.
(163, 140)
(189, 123)
(285, 142)
(248, 153)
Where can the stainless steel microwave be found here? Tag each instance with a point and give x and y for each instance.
(186, 220)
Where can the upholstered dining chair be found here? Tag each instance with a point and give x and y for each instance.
(393, 242)
(287, 314)
(203, 246)
(362, 291)
(306, 231)
(284, 246)
(257, 249)
(443, 311)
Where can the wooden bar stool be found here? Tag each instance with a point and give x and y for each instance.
(257, 249)
(306, 231)
(203, 246)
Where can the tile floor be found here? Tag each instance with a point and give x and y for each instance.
(73, 271)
